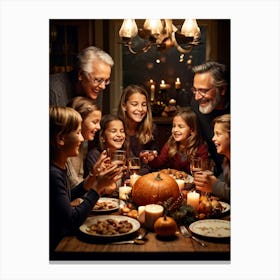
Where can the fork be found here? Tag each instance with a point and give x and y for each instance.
(186, 233)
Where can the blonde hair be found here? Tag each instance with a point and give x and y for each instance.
(224, 120)
(63, 120)
(194, 139)
(145, 129)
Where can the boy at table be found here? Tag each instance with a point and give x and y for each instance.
(65, 140)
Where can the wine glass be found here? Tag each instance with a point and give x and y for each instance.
(134, 165)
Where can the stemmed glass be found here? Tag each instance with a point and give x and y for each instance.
(134, 165)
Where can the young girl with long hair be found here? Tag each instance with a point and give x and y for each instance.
(135, 111)
(184, 142)
(91, 115)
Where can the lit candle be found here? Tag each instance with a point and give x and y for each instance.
(153, 88)
(124, 192)
(177, 83)
(141, 214)
(152, 213)
(193, 199)
(181, 184)
(162, 85)
(133, 179)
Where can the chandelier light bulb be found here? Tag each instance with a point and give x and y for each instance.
(189, 28)
(154, 25)
(128, 29)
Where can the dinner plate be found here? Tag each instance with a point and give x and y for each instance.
(211, 228)
(110, 204)
(84, 228)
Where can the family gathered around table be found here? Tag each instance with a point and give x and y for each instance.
(127, 197)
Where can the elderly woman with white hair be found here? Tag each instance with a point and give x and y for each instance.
(89, 78)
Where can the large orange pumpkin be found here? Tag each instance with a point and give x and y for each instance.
(153, 188)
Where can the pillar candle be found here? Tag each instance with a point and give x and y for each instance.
(153, 88)
(193, 199)
(141, 214)
(152, 213)
(181, 184)
(162, 85)
(133, 179)
(177, 83)
(124, 192)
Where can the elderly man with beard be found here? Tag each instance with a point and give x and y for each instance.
(211, 99)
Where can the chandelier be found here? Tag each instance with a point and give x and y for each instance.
(161, 33)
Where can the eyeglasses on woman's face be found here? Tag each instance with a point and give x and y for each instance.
(96, 81)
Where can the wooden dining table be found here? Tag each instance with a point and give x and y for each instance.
(175, 248)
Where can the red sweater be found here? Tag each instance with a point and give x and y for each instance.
(179, 161)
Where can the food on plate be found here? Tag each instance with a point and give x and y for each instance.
(175, 173)
(105, 205)
(109, 227)
(209, 207)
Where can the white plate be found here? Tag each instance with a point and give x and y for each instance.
(114, 202)
(226, 206)
(211, 228)
(93, 220)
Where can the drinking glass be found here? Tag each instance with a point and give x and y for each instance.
(118, 157)
(195, 165)
(134, 165)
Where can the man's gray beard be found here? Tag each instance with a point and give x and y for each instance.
(211, 106)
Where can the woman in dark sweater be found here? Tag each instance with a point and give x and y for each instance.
(65, 140)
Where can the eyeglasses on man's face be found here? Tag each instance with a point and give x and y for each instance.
(201, 91)
(96, 81)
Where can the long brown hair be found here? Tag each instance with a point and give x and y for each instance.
(144, 129)
(193, 141)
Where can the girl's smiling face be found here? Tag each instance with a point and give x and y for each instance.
(180, 130)
(136, 107)
(221, 140)
(91, 124)
(114, 135)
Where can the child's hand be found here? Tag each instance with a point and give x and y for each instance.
(203, 181)
(147, 155)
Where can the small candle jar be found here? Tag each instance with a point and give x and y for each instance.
(193, 199)
(152, 213)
